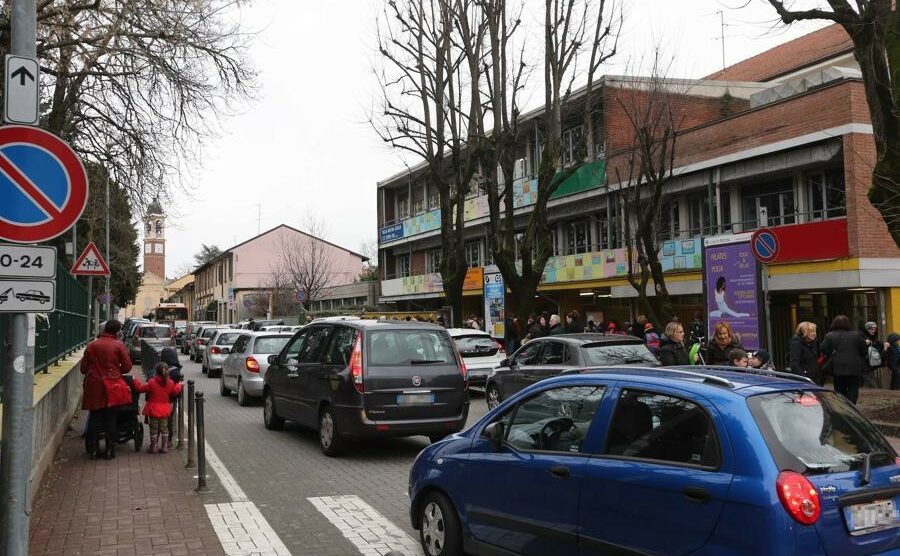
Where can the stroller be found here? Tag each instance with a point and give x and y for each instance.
(128, 422)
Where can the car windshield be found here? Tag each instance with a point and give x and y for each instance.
(227, 339)
(476, 346)
(622, 354)
(409, 347)
(269, 344)
(817, 432)
(209, 333)
(155, 332)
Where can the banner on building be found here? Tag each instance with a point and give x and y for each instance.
(731, 284)
(494, 304)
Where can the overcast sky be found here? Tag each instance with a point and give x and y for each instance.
(302, 146)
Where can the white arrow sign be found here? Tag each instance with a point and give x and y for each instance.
(22, 90)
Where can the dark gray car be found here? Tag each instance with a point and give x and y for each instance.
(553, 355)
(367, 378)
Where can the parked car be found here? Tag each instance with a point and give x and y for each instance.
(367, 378)
(662, 461)
(129, 326)
(481, 353)
(217, 349)
(245, 367)
(190, 333)
(157, 335)
(553, 355)
(257, 325)
(276, 328)
(201, 338)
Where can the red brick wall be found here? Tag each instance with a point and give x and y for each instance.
(155, 264)
(868, 232)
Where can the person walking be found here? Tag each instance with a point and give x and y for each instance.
(573, 322)
(892, 354)
(803, 353)
(556, 328)
(874, 354)
(845, 357)
(672, 350)
(159, 389)
(105, 361)
(511, 333)
(721, 343)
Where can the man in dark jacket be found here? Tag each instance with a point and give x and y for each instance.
(804, 352)
(105, 361)
(845, 357)
(892, 353)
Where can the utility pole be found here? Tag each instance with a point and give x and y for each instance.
(18, 379)
(107, 292)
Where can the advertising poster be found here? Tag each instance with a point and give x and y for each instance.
(494, 304)
(731, 283)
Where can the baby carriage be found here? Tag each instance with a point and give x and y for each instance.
(128, 422)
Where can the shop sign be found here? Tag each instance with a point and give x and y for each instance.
(473, 279)
(392, 232)
(814, 241)
(732, 286)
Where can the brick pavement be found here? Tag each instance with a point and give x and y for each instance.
(137, 504)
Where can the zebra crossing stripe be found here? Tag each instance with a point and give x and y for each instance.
(361, 524)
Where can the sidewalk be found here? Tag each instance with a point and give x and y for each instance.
(135, 504)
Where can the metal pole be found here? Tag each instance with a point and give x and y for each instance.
(180, 401)
(18, 379)
(201, 443)
(108, 262)
(190, 435)
(768, 307)
(89, 305)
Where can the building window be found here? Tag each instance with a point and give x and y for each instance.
(402, 266)
(148, 248)
(825, 195)
(402, 204)
(433, 261)
(158, 248)
(419, 200)
(578, 240)
(698, 213)
(434, 198)
(571, 144)
(473, 254)
(778, 200)
(669, 221)
(556, 239)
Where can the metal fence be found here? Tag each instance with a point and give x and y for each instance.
(58, 333)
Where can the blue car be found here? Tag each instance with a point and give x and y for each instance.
(662, 461)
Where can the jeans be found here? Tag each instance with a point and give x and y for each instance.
(848, 386)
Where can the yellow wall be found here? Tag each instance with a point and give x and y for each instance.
(892, 309)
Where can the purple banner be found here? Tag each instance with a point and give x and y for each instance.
(732, 291)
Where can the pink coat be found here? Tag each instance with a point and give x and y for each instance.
(158, 393)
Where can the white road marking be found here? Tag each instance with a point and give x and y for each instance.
(230, 485)
(361, 524)
(243, 531)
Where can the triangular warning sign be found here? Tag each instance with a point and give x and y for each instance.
(90, 263)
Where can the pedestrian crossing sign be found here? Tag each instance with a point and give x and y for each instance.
(90, 263)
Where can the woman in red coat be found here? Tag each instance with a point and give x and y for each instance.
(105, 361)
(159, 390)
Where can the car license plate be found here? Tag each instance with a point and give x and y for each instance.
(861, 518)
(415, 399)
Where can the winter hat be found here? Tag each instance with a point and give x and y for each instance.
(893, 337)
(648, 326)
(871, 325)
(762, 355)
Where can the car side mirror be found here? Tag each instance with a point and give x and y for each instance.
(495, 431)
(273, 359)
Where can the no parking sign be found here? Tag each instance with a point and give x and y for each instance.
(42, 183)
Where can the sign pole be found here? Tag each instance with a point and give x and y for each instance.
(764, 269)
(108, 216)
(90, 312)
(18, 380)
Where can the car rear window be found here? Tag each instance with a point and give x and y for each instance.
(155, 332)
(476, 345)
(621, 354)
(270, 344)
(227, 339)
(409, 347)
(209, 332)
(817, 432)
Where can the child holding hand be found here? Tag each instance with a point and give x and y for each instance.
(159, 390)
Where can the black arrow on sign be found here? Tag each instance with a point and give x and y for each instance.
(22, 73)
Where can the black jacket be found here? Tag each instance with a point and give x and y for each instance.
(845, 353)
(671, 353)
(556, 330)
(803, 356)
(719, 356)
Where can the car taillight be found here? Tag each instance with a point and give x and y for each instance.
(201, 342)
(462, 369)
(799, 497)
(252, 365)
(356, 368)
(215, 350)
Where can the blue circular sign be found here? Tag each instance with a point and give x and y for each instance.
(764, 244)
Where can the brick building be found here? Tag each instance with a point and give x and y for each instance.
(782, 140)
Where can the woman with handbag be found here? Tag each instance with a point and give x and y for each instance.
(845, 357)
(105, 361)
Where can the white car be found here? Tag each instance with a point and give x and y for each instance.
(480, 352)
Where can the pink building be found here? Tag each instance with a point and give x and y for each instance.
(252, 278)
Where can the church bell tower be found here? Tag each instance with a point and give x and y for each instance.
(155, 240)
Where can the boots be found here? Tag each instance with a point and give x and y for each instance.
(153, 438)
(110, 449)
(165, 444)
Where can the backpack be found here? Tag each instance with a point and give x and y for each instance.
(874, 357)
(652, 341)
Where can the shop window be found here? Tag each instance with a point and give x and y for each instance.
(433, 261)
(402, 266)
(473, 254)
(825, 195)
(777, 198)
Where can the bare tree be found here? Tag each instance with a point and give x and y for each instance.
(650, 106)
(572, 29)
(280, 297)
(428, 108)
(305, 261)
(135, 85)
(874, 27)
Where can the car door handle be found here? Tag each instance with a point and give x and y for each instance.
(696, 494)
(560, 471)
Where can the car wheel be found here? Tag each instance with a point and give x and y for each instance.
(329, 437)
(270, 415)
(492, 396)
(223, 390)
(439, 530)
(242, 395)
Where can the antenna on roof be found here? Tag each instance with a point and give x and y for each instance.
(258, 217)
(722, 38)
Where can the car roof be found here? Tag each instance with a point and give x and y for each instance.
(386, 324)
(594, 338)
(709, 379)
(467, 332)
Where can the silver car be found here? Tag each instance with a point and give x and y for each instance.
(198, 345)
(480, 352)
(245, 367)
(157, 335)
(217, 349)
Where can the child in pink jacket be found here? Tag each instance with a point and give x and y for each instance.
(159, 390)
